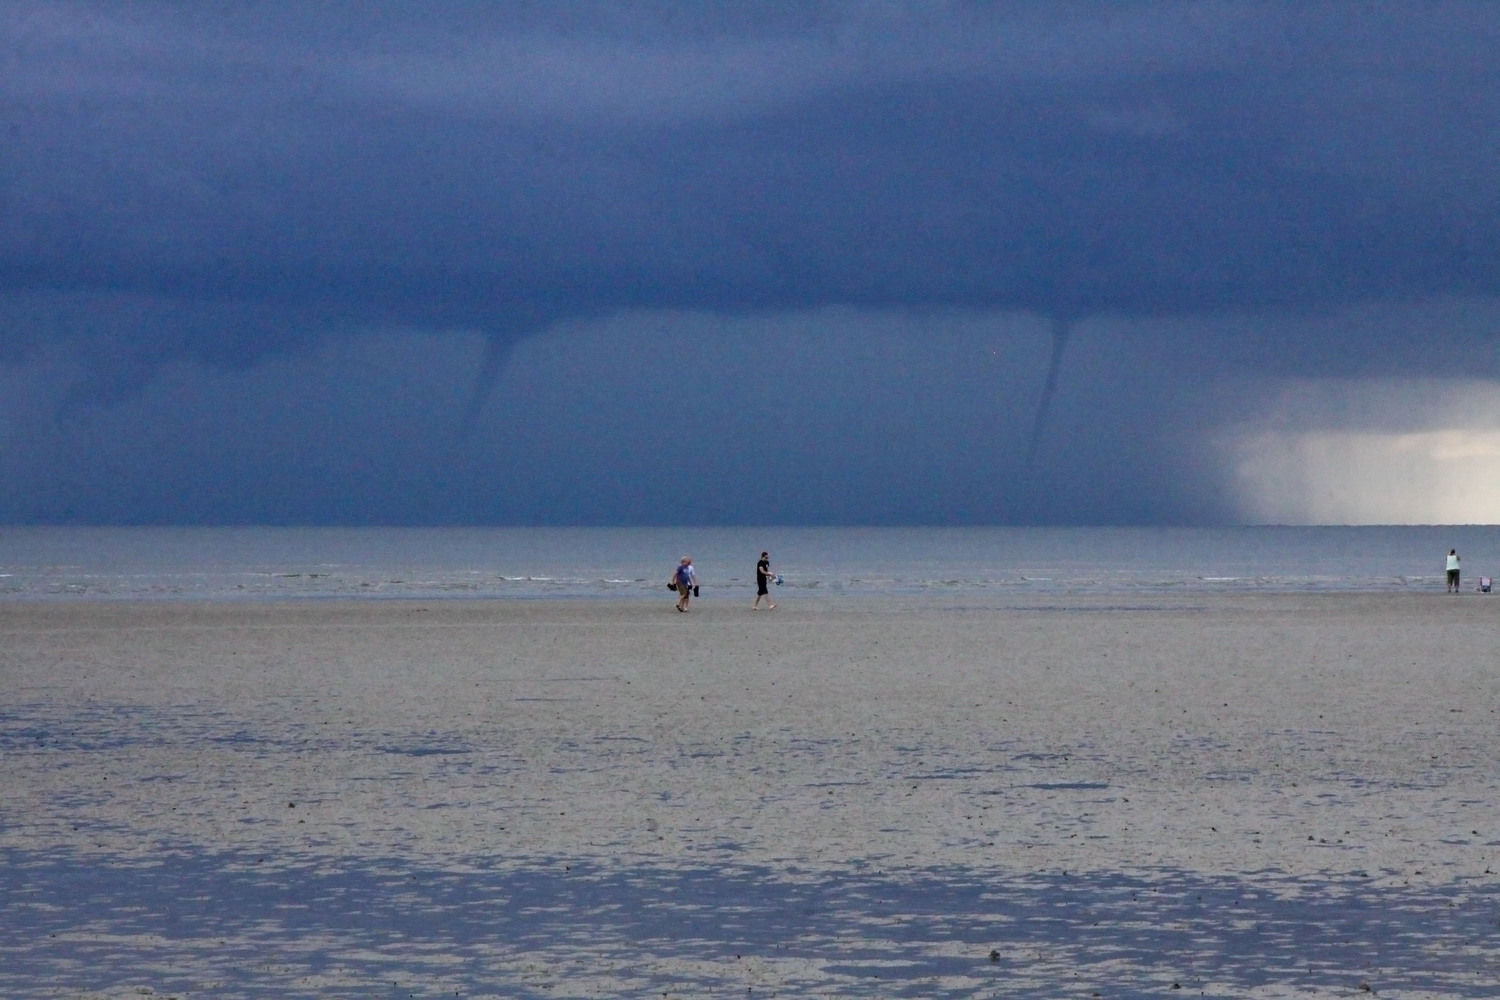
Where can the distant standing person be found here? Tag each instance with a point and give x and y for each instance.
(1452, 571)
(762, 579)
(687, 579)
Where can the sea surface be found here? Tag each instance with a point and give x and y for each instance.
(821, 563)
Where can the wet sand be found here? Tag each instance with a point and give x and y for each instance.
(1087, 751)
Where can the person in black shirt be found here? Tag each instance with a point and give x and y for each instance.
(763, 576)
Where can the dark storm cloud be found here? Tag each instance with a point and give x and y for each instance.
(780, 207)
(502, 166)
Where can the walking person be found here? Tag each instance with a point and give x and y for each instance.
(1452, 571)
(763, 577)
(687, 580)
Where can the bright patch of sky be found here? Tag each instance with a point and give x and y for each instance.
(1445, 469)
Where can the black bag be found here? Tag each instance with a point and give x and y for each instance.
(672, 585)
(695, 591)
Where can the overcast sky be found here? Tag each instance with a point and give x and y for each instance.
(390, 263)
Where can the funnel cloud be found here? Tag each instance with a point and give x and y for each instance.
(960, 263)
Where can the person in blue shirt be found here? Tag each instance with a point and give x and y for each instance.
(686, 579)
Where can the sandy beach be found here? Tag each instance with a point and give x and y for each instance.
(921, 773)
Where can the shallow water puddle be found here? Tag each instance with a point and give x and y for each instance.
(251, 926)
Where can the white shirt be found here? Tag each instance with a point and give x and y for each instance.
(1453, 562)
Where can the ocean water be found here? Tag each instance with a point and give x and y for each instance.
(816, 563)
